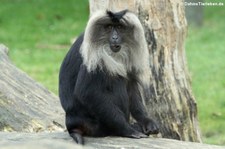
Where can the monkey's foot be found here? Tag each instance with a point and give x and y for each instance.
(150, 127)
(136, 135)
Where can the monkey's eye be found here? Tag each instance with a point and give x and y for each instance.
(108, 26)
(119, 26)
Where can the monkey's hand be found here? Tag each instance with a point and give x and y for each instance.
(136, 135)
(149, 127)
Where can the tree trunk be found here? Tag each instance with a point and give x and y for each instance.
(25, 105)
(171, 101)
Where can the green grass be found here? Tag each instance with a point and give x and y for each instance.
(39, 33)
(206, 58)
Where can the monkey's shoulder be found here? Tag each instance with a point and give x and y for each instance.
(75, 48)
(73, 59)
(99, 78)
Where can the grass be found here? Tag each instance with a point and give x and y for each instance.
(206, 54)
(39, 33)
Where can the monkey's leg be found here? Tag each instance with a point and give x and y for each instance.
(113, 118)
(91, 94)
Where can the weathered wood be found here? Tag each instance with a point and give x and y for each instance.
(171, 102)
(26, 105)
(62, 140)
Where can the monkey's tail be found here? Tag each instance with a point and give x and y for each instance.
(77, 137)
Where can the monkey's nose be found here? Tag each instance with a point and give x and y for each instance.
(115, 47)
(114, 37)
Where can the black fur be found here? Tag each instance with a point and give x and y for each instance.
(115, 17)
(99, 104)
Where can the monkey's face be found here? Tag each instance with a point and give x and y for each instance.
(114, 33)
(114, 41)
(114, 37)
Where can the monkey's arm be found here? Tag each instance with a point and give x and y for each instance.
(68, 74)
(138, 110)
(89, 91)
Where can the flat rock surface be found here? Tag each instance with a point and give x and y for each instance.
(61, 140)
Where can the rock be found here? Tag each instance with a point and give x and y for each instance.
(61, 140)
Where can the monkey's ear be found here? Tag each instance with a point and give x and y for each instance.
(115, 17)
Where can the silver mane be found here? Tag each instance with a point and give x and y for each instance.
(131, 56)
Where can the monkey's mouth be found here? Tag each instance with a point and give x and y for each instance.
(115, 47)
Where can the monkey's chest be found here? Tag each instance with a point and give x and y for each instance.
(118, 90)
